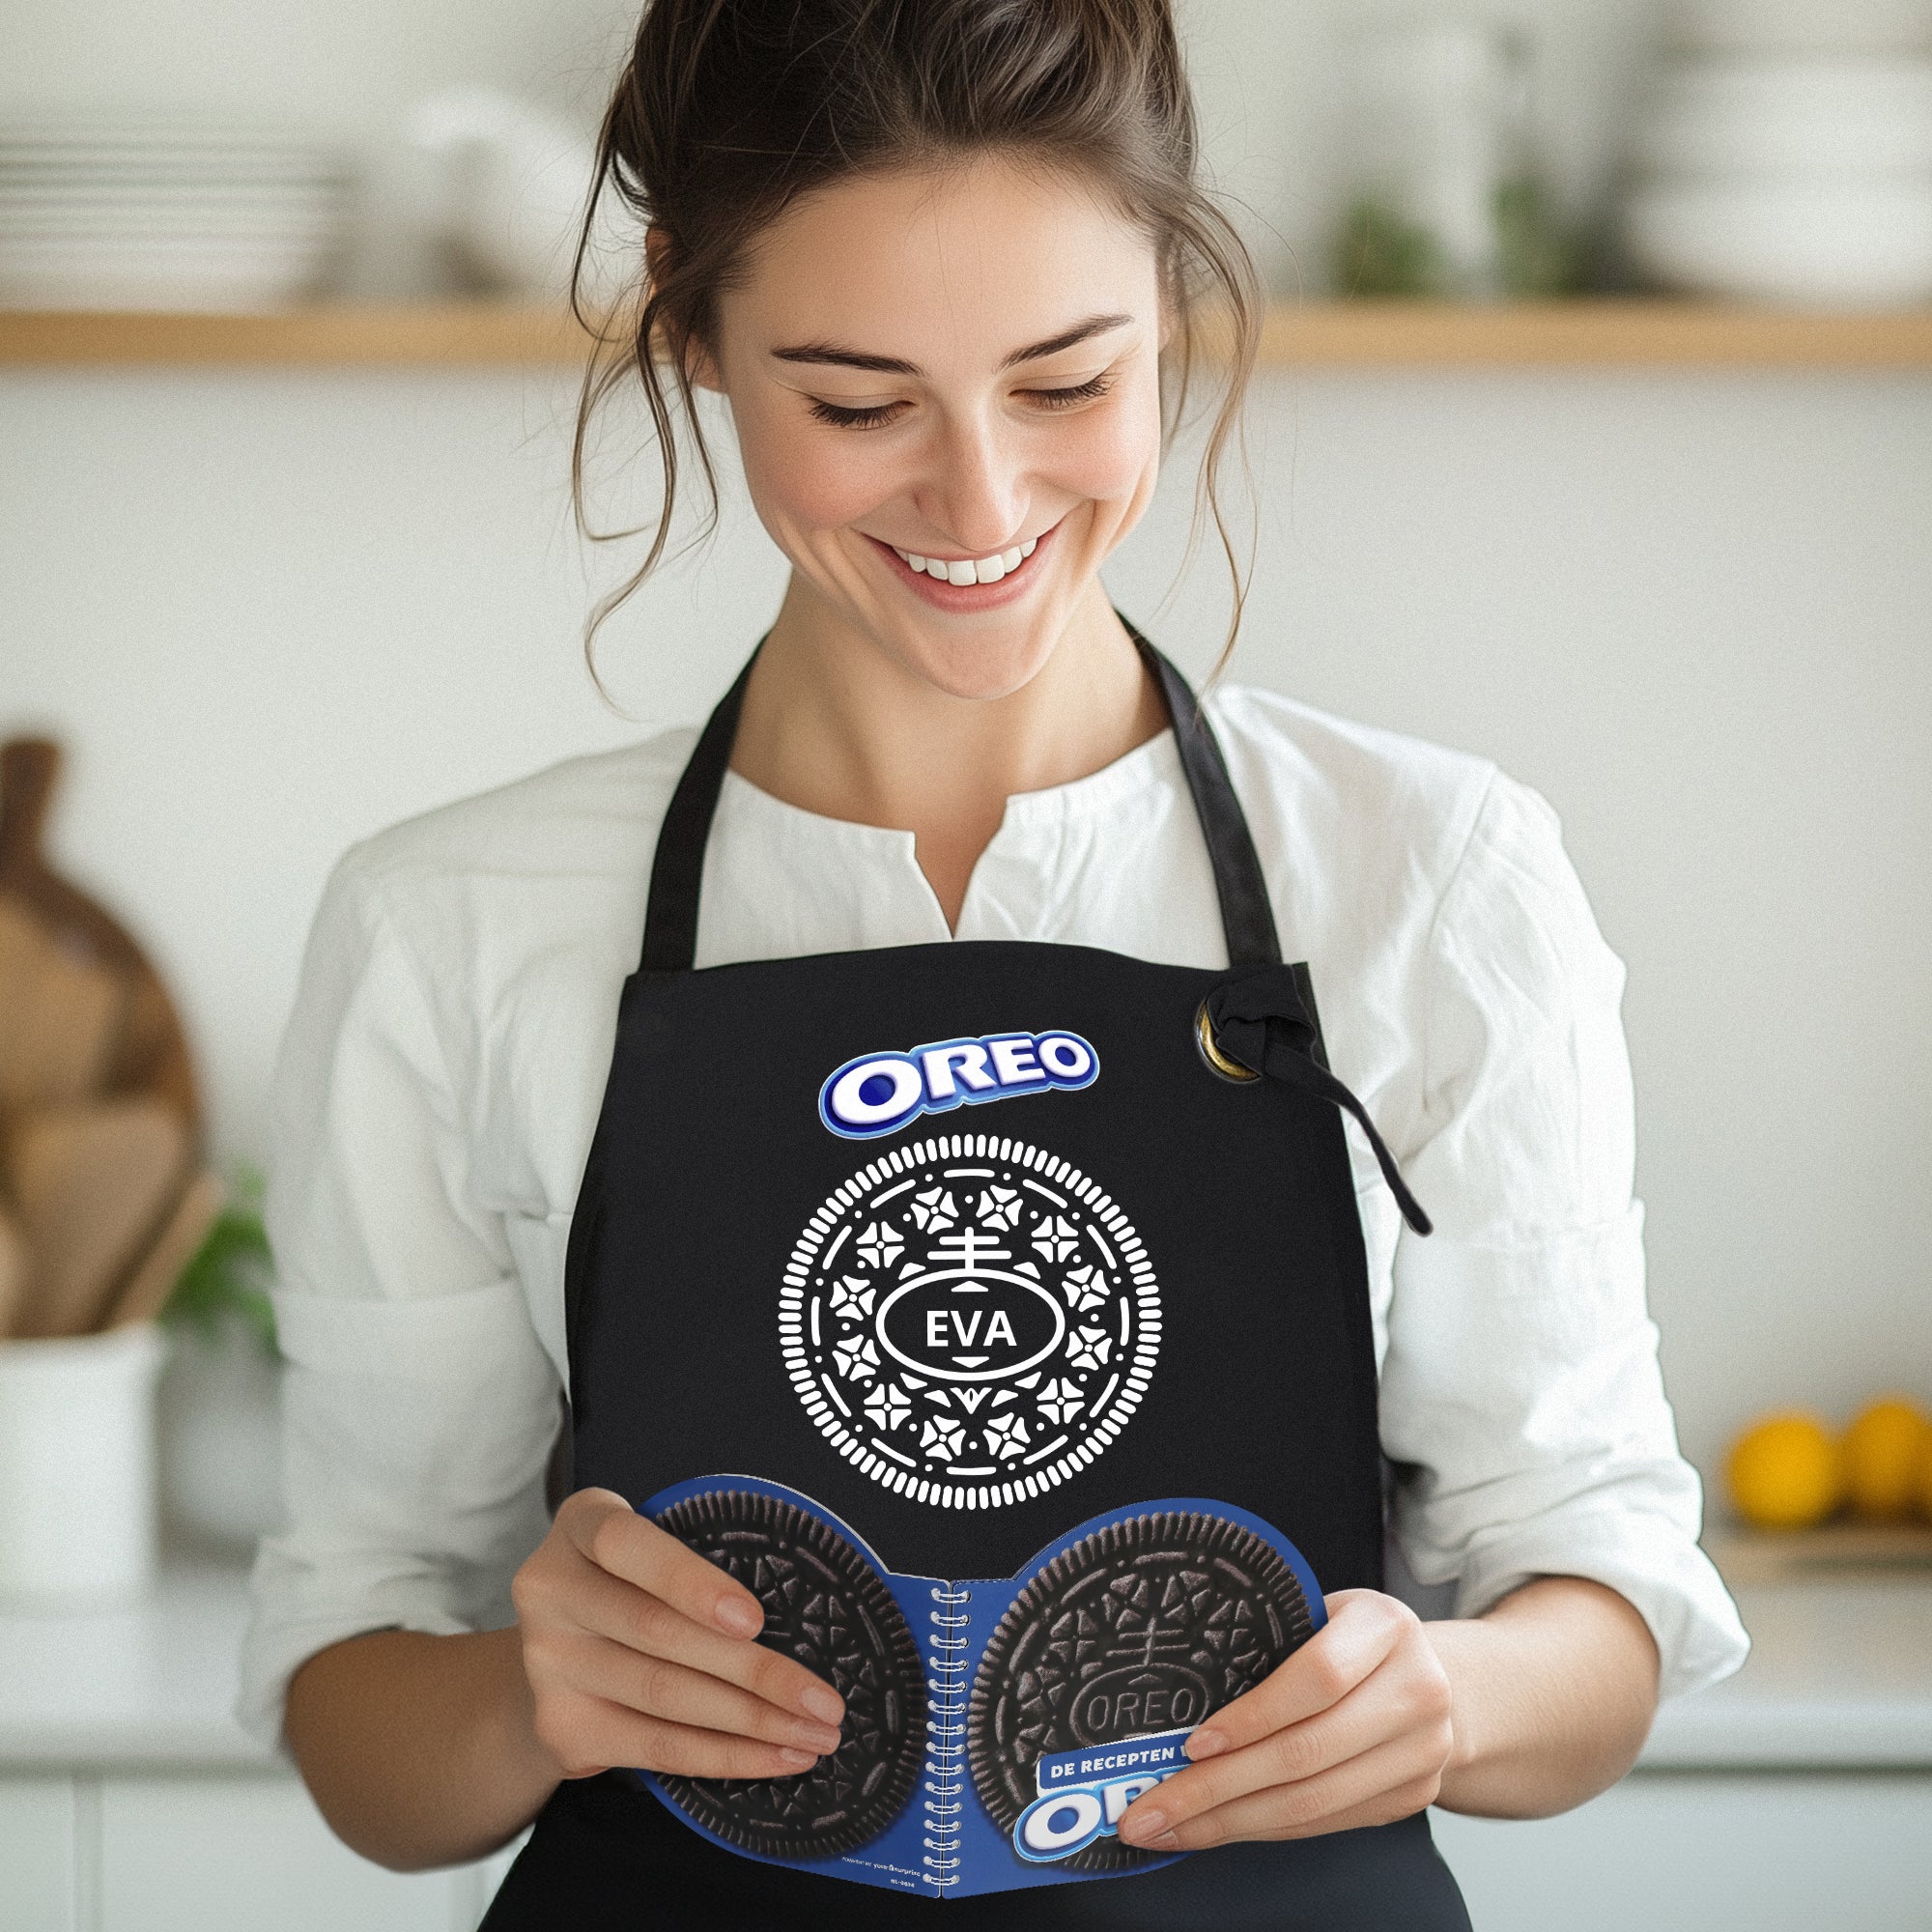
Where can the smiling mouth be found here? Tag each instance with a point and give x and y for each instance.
(970, 569)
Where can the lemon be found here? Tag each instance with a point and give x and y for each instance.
(1881, 1452)
(1923, 1476)
(1784, 1473)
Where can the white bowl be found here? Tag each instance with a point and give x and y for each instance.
(1864, 244)
(196, 274)
(191, 219)
(1803, 26)
(1789, 116)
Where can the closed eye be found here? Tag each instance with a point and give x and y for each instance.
(1082, 393)
(879, 415)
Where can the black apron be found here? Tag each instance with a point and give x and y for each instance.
(1213, 1130)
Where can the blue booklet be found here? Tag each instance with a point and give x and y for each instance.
(996, 1729)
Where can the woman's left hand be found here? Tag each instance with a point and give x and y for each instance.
(1356, 1728)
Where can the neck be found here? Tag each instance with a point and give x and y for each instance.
(833, 725)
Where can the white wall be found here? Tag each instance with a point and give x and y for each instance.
(271, 611)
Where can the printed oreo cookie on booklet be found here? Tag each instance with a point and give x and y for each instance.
(1138, 1632)
(826, 1605)
(996, 1729)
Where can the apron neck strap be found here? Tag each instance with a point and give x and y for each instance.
(678, 872)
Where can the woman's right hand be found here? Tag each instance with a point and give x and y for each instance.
(640, 1652)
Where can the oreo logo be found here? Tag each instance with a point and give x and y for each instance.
(1083, 1796)
(880, 1093)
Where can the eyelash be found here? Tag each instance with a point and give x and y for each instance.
(880, 415)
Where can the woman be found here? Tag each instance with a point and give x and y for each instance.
(936, 257)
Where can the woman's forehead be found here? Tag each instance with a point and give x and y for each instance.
(976, 260)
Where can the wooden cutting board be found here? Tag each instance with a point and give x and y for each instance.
(60, 1014)
(90, 1190)
(149, 1051)
(12, 1273)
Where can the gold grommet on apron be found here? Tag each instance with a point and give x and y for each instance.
(1218, 1062)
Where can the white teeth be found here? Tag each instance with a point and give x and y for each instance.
(970, 570)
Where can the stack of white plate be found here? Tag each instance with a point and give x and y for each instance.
(163, 212)
(1787, 154)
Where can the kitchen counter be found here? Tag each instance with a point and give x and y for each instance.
(1839, 1677)
(152, 1684)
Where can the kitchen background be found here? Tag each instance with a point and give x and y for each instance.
(270, 610)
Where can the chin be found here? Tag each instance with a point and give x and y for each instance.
(983, 665)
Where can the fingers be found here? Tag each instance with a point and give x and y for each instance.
(1393, 1781)
(588, 1734)
(1363, 1628)
(607, 1530)
(643, 1623)
(656, 1687)
(1381, 1714)
(622, 1672)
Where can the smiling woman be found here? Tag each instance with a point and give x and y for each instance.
(971, 121)
(944, 260)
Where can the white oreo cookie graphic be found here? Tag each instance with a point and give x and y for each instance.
(969, 1320)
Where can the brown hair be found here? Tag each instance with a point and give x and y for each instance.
(729, 111)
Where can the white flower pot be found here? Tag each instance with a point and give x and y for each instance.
(77, 1468)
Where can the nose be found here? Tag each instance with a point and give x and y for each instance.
(975, 491)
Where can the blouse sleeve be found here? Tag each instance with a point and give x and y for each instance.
(419, 1406)
(1522, 1403)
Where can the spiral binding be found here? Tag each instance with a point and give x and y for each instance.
(945, 1705)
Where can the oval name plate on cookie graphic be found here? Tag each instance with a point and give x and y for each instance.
(1140, 1630)
(970, 1320)
(827, 1607)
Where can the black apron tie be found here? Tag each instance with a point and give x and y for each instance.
(1261, 1022)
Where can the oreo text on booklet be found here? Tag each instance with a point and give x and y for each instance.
(1084, 1794)
(880, 1093)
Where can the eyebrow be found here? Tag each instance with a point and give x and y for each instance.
(898, 365)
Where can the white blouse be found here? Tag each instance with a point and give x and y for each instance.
(443, 1068)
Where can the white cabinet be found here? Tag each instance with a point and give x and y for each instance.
(205, 1853)
(37, 1855)
(1704, 1851)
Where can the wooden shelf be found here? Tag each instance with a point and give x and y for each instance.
(1752, 1558)
(1591, 334)
(1601, 335)
(454, 334)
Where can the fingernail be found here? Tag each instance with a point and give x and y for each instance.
(739, 1618)
(1204, 1744)
(825, 1704)
(798, 1760)
(816, 1738)
(1166, 1842)
(1146, 1824)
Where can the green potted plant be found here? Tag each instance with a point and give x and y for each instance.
(221, 1396)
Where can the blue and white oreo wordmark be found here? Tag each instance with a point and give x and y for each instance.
(880, 1093)
(1084, 1794)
